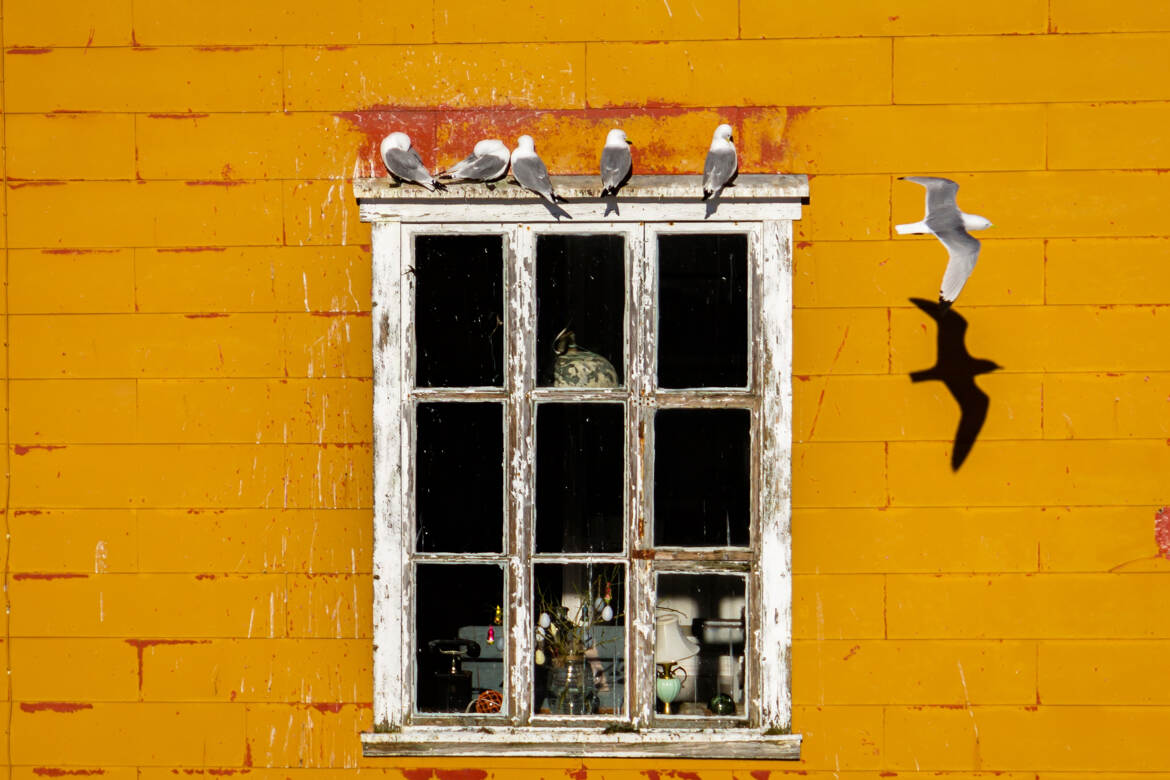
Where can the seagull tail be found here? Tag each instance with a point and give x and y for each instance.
(707, 193)
(608, 191)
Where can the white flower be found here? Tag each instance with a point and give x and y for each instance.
(607, 613)
(538, 656)
(545, 620)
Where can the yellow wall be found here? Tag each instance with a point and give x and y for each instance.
(188, 362)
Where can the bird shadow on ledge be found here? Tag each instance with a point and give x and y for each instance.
(956, 369)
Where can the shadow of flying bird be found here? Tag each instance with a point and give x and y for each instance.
(956, 369)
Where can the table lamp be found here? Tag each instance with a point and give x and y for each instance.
(670, 647)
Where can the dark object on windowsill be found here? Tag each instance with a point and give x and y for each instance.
(576, 367)
(721, 704)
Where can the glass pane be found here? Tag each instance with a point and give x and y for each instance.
(459, 477)
(459, 311)
(702, 311)
(580, 310)
(580, 477)
(580, 639)
(702, 477)
(700, 627)
(460, 648)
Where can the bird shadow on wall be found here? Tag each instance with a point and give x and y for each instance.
(956, 369)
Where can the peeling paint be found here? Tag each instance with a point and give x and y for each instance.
(1162, 531)
(18, 449)
(54, 706)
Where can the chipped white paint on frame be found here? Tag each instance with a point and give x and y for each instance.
(766, 204)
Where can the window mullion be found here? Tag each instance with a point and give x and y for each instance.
(640, 616)
(520, 282)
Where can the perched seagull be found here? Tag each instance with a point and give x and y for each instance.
(404, 164)
(722, 164)
(950, 226)
(616, 163)
(488, 162)
(530, 172)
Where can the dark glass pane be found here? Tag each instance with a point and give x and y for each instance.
(700, 629)
(580, 287)
(460, 648)
(580, 639)
(702, 477)
(459, 480)
(702, 311)
(459, 311)
(580, 477)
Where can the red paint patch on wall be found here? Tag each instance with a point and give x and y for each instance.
(211, 315)
(14, 184)
(49, 771)
(195, 249)
(460, 774)
(224, 48)
(418, 774)
(327, 707)
(1162, 531)
(213, 183)
(48, 576)
(18, 449)
(54, 706)
(578, 774)
(77, 251)
(378, 121)
(29, 50)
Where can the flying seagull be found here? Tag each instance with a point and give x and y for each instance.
(956, 369)
(616, 164)
(722, 164)
(487, 162)
(530, 172)
(949, 225)
(404, 164)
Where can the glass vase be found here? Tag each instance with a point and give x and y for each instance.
(571, 687)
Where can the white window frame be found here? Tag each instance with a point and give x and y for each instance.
(761, 206)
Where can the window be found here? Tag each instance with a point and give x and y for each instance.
(582, 454)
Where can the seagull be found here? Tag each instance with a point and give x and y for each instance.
(616, 164)
(949, 225)
(488, 162)
(722, 164)
(530, 172)
(404, 164)
(957, 369)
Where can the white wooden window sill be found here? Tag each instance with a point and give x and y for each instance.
(730, 743)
